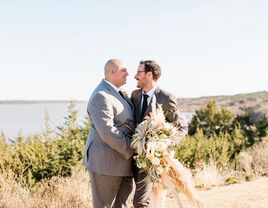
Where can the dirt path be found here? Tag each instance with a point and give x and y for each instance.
(253, 194)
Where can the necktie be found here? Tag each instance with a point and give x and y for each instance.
(122, 95)
(144, 105)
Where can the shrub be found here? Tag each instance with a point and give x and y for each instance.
(221, 149)
(254, 125)
(212, 120)
(42, 156)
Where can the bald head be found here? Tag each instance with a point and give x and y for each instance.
(111, 67)
(115, 72)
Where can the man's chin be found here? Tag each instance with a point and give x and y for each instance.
(122, 83)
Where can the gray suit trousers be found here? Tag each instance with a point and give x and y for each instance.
(111, 191)
(143, 188)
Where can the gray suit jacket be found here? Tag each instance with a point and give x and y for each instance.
(169, 106)
(107, 150)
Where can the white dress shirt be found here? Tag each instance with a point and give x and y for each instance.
(150, 93)
(113, 86)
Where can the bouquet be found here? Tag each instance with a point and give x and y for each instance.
(154, 141)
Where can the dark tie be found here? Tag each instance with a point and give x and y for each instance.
(144, 105)
(122, 95)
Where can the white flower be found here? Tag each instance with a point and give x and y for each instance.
(124, 93)
(153, 141)
(166, 169)
(159, 170)
(167, 126)
(155, 161)
(149, 156)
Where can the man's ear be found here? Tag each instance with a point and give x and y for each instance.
(150, 74)
(112, 71)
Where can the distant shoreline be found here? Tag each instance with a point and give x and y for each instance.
(251, 95)
(234, 103)
(39, 101)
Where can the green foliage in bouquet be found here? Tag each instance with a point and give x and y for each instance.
(153, 140)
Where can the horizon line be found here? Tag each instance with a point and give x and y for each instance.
(80, 100)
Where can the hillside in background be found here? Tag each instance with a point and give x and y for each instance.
(235, 103)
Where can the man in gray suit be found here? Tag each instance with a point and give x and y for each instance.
(147, 75)
(107, 155)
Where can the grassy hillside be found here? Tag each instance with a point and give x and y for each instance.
(234, 103)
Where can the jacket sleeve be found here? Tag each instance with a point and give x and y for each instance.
(174, 116)
(102, 115)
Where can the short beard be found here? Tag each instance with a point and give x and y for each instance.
(139, 86)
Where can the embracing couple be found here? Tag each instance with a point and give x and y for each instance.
(113, 117)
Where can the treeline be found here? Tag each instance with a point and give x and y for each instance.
(215, 135)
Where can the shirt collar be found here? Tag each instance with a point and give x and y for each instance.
(112, 85)
(150, 92)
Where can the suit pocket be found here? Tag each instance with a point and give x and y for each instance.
(88, 144)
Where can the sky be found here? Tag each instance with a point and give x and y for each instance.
(56, 50)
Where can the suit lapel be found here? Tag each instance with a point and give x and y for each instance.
(137, 103)
(129, 102)
(157, 94)
(124, 100)
(116, 94)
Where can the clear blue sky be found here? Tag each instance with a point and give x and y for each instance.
(57, 49)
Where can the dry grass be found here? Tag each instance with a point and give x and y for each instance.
(56, 192)
(259, 155)
(208, 176)
(255, 159)
(13, 194)
(249, 164)
(75, 191)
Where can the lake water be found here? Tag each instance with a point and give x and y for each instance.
(29, 118)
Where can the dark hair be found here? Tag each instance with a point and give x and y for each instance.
(152, 66)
